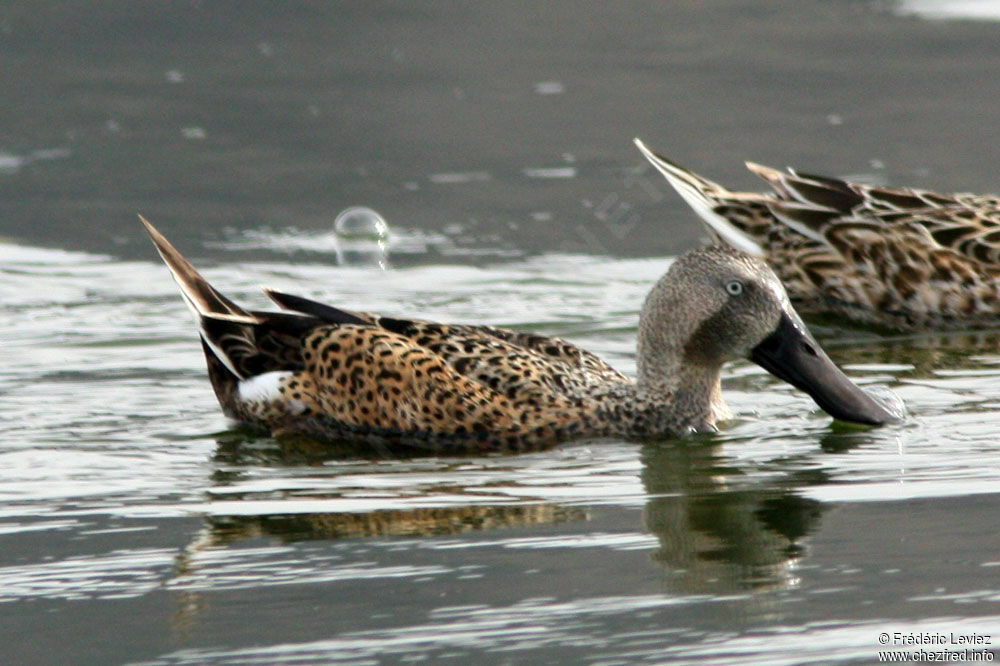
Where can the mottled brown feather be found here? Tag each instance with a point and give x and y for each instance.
(895, 257)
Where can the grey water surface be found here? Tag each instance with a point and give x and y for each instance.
(137, 525)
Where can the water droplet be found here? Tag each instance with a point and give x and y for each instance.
(888, 399)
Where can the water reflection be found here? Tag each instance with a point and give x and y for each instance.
(265, 549)
(210, 564)
(715, 528)
(842, 440)
(711, 527)
(430, 521)
(718, 538)
(244, 445)
(910, 355)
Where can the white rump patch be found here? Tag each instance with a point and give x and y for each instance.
(263, 388)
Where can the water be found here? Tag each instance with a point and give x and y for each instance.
(128, 498)
(137, 525)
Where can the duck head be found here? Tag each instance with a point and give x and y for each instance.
(717, 304)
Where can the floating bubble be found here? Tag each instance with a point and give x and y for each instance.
(362, 237)
(361, 223)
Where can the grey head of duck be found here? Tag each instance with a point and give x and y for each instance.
(717, 304)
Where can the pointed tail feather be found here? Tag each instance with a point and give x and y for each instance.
(701, 194)
(806, 203)
(819, 191)
(773, 177)
(227, 330)
(198, 293)
(246, 352)
(322, 311)
(810, 221)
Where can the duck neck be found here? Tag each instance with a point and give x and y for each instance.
(681, 395)
(678, 384)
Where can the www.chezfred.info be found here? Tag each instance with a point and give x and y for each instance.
(936, 647)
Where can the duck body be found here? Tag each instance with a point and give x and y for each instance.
(321, 372)
(898, 258)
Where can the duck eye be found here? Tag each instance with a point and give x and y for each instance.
(734, 287)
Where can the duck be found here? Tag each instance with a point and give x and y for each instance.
(899, 259)
(315, 371)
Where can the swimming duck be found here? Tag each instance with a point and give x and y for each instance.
(898, 258)
(325, 373)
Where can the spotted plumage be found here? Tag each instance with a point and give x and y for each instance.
(322, 372)
(899, 258)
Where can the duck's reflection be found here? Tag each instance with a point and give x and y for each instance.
(720, 528)
(432, 521)
(240, 450)
(741, 535)
(717, 538)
